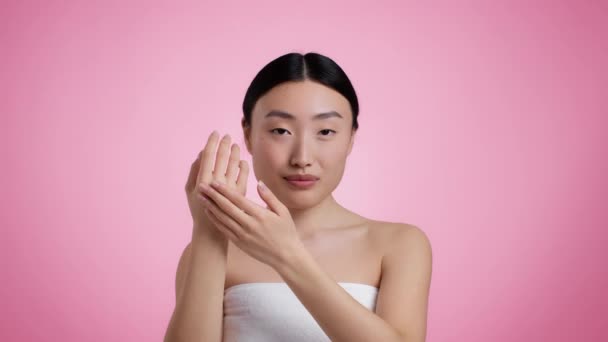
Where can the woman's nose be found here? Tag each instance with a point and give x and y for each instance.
(302, 156)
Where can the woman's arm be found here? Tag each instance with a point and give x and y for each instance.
(402, 300)
(201, 273)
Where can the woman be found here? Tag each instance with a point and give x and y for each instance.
(303, 268)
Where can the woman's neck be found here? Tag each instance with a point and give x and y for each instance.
(326, 214)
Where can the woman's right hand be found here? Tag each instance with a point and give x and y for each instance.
(228, 169)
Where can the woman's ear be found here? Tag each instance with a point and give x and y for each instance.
(352, 141)
(246, 134)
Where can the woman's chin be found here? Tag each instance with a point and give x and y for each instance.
(297, 200)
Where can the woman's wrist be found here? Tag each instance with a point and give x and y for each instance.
(207, 232)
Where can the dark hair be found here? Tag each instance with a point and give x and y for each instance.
(298, 67)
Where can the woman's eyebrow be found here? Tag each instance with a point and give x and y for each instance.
(320, 116)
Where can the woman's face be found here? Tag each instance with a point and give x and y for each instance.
(288, 137)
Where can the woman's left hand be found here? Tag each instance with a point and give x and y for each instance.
(267, 234)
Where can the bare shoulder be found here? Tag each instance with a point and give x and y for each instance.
(406, 277)
(394, 236)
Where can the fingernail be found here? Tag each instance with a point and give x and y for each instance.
(261, 185)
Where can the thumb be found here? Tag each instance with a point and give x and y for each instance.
(273, 202)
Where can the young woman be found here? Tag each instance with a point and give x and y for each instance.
(302, 268)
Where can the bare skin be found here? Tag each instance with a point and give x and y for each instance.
(349, 246)
(395, 257)
(351, 253)
(201, 270)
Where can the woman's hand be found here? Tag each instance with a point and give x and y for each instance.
(267, 234)
(227, 168)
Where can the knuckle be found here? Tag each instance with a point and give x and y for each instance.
(263, 217)
(245, 236)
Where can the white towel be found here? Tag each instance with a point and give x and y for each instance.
(268, 312)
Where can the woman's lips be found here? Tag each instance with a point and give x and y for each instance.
(301, 184)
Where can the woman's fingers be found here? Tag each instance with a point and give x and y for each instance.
(222, 227)
(223, 153)
(241, 182)
(226, 221)
(207, 158)
(219, 160)
(233, 165)
(193, 173)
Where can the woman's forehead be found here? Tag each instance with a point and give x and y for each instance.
(308, 101)
(332, 114)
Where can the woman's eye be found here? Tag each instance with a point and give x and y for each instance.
(328, 130)
(324, 132)
(279, 129)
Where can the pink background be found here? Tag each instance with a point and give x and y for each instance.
(482, 123)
